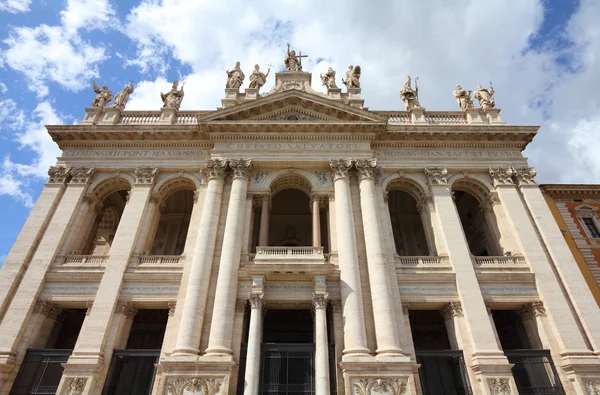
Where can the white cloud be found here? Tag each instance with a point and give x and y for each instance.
(58, 53)
(15, 6)
(10, 116)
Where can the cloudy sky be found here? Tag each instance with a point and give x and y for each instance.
(543, 57)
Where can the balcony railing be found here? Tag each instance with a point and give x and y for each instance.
(160, 260)
(290, 255)
(419, 260)
(40, 372)
(443, 372)
(85, 260)
(534, 372)
(496, 260)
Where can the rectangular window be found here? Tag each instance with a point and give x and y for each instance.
(592, 228)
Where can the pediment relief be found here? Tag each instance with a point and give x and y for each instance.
(293, 106)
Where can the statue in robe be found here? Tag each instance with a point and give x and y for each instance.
(258, 78)
(103, 96)
(328, 79)
(173, 98)
(235, 77)
(123, 96)
(352, 77)
(463, 98)
(409, 96)
(291, 61)
(485, 97)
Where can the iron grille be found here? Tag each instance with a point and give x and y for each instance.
(443, 371)
(131, 372)
(287, 369)
(40, 372)
(534, 372)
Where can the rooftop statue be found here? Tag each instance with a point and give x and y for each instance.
(292, 61)
(463, 98)
(409, 96)
(235, 77)
(328, 79)
(173, 98)
(258, 78)
(485, 97)
(123, 96)
(352, 77)
(103, 96)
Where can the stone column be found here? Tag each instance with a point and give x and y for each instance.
(252, 376)
(32, 283)
(321, 345)
(487, 359)
(263, 239)
(316, 221)
(17, 260)
(384, 314)
(355, 337)
(221, 328)
(88, 353)
(192, 316)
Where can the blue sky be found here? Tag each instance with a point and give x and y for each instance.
(543, 57)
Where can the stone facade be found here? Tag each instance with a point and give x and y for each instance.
(357, 168)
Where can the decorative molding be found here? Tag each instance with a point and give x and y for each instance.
(81, 175)
(336, 306)
(592, 386)
(436, 175)
(319, 301)
(259, 176)
(340, 168)
(47, 308)
(499, 386)
(172, 304)
(502, 175)
(405, 309)
(214, 168)
(204, 386)
(368, 169)
(423, 203)
(58, 174)
(75, 385)
(88, 306)
(533, 309)
(240, 167)
(146, 175)
(92, 200)
(451, 310)
(255, 301)
(323, 177)
(525, 175)
(389, 386)
(240, 305)
(128, 309)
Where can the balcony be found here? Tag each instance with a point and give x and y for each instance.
(534, 372)
(288, 255)
(414, 264)
(157, 263)
(500, 264)
(40, 372)
(443, 372)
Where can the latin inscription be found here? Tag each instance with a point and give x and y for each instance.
(292, 146)
(135, 153)
(448, 154)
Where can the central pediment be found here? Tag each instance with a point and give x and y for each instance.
(292, 106)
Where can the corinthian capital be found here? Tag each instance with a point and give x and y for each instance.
(81, 175)
(146, 175)
(340, 167)
(367, 168)
(319, 301)
(240, 167)
(58, 174)
(525, 175)
(502, 175)
(215, 168)
(436, 175)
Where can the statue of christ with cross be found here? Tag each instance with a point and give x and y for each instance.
(292, 61)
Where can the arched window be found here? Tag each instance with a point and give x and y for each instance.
(104, 226)
(172, 224)
(290, 221)
(407, 225)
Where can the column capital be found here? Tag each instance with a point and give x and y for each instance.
(524, 175)
(340, 168)
(81, 175)
(58, 174)
(406, 308)
(319, 301)
(423, 202)
(533, 309)
(241, 167)
(47, 308)
(172, 305)
(436, 175)
(146, 175)
(92, 200)
(128, 309)
(451, 310)
(256, 300)
(502, 175)
(214, 168)
(368, 169)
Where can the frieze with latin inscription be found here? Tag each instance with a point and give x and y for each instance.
(293, 146)
(134, 153)
(448, 154)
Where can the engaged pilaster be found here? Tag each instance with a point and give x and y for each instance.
(355, 338)
(221, 329)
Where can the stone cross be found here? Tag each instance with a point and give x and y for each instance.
(300, 56)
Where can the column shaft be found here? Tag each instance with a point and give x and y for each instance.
(192, 317)
(252, 376)
(221, 329)
(321, 346)
(355, 337)
(316, 223)
(263, 239)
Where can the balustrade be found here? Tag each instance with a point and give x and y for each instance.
(85, 260)
(495, 260)
(160, 260)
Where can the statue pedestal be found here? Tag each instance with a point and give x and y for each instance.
(334, 93)
(353, 97)
(168, 116)
(417, 115)
(111, 117)
(92, 116)
(251, 94)
(493, 116)
(474, 116)
(231, 97)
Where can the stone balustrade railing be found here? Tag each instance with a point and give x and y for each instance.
(445, 118)
(496, 260)
(276, 254)
(289, 251)
(85, 260)
(411, 261)
(160, 260)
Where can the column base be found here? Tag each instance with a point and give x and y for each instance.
(185, 352)
(356, 351)
(218, 351)
(391, 352)
(7, 359)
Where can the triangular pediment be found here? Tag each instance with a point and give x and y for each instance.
(292, 106)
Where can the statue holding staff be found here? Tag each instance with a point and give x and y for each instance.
(103, 96)
(123, 96)
(173, 98)
(485, 96)
(258, 78)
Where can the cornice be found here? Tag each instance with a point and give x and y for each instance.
(571, 191)
(445, 144)
(200, 144)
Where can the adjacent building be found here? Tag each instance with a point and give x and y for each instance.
(295, 242)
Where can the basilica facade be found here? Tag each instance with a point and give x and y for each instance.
(294, 242)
